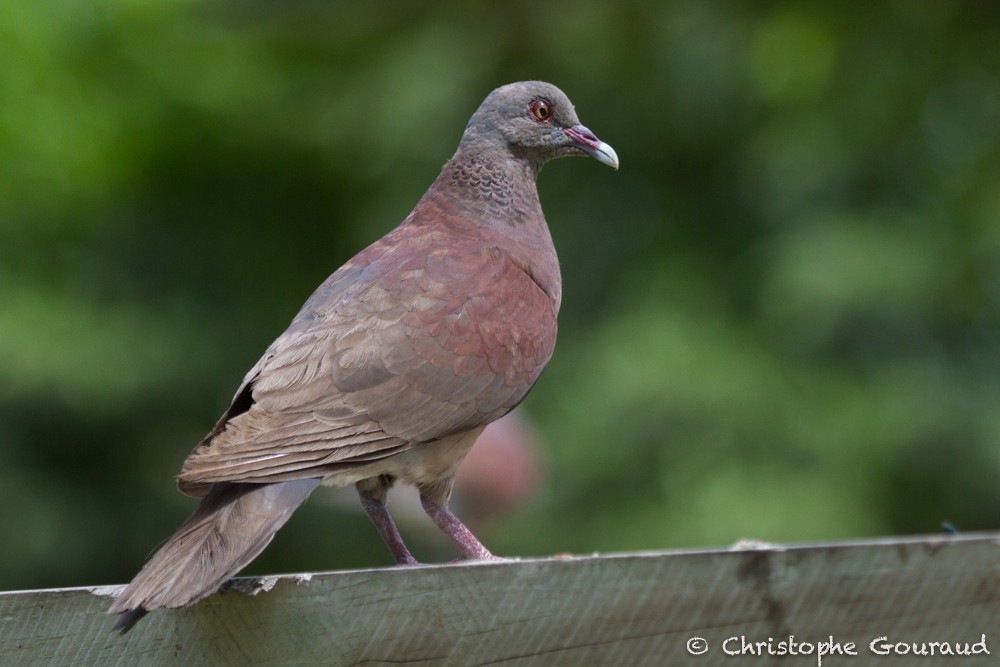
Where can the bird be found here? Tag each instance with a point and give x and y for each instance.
(394, 365)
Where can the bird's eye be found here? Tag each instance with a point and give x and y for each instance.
(541, 110)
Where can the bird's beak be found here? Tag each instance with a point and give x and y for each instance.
(596, 148)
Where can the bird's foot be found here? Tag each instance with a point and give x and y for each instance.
(489, 558)
(471, 548)
(407, 560)
(379, 514)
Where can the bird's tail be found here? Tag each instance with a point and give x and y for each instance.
(231, 526)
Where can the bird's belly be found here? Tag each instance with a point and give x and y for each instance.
(424, 464)
(430, 462)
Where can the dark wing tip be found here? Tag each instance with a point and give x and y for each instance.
(128, 619)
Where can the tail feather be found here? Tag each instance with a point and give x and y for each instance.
(229, 528)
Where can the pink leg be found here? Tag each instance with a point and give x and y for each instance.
(456, 530)
(386, 527)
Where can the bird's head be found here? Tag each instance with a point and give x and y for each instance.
(536, 121)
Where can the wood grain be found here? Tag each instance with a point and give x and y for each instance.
(615, 609)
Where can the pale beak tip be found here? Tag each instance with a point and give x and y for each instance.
(605, 154)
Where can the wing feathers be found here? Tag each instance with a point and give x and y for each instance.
(429, 344)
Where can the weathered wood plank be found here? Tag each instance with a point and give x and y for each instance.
(618, 609)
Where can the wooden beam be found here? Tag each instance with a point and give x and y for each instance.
(613, 609)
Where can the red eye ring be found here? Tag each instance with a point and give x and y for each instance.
(541, 110)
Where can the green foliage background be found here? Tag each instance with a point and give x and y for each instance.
(781, 316)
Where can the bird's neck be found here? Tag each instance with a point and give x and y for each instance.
(492, 194)
(492, 185)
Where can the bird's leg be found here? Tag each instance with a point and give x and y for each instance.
(373, 500)
(456, 530)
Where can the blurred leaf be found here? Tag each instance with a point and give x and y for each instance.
(780, 317)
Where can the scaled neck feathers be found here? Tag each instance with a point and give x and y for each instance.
(491, 195)
(491, 186)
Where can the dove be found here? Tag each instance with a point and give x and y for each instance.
(394, 365)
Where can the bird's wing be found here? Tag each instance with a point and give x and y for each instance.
(421, 335)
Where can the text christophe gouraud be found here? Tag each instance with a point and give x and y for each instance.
(830, 646)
